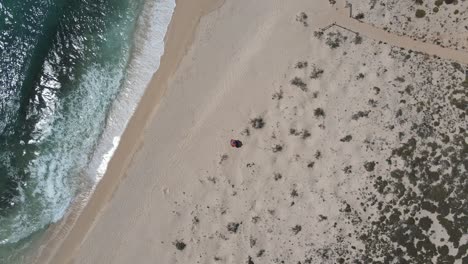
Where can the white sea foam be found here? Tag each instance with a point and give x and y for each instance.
(148, 49)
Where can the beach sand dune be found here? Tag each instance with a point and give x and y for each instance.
(323, 120)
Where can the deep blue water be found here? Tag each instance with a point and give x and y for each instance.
(62, 63)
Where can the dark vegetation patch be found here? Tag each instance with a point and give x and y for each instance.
(232, 227)
(419, 186)
(257, 123)
(277, 148)
(303, 133)
(180, 245)
(301, 64)
(357, 39)
(296, 229)
(260, 253)
(302, 18)
(278, 95)
(318, 112)
(316, 72)
(420, 13)
(426, 181)
(369, 165)
(335, 39)
(299, 83)
(347, 138)
(360, 114)
(277, 176)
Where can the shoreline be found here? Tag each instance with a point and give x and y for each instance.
(329, 124)
(177, 41)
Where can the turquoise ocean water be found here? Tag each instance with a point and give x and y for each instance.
(71, 74)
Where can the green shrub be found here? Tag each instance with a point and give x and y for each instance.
(436, 9)
(420, 13)
(439, 2)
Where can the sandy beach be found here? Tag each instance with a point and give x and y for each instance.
(353, 146)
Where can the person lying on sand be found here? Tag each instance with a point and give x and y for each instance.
(235, 143)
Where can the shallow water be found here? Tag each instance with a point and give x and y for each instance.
(67, 88)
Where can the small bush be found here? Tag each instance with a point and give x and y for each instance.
(369, 165)
(420, 13)
(333, 43)
(296, 229)
(358, 39)
(318, 34)
(301, 64)
(360, 114)
(257, 123)
(319, 112)
(278, 95)
(318, 154)
(294, 132)
(302, 17)
(179, 245)
(316, 73)
(233, 227)
(400, 79)
(299, 83)
(439, 2)
(277, 176)
(277, 148)
(359, 16)
(347, 138)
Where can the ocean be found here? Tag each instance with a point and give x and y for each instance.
(71, 75)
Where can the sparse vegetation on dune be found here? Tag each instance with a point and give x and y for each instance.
(316, 72)
(318, 112)
(420, 13)
(299, 83)
(301, 64)
(302, 18)
(257, 123)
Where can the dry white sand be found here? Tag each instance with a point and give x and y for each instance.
(330, 176)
